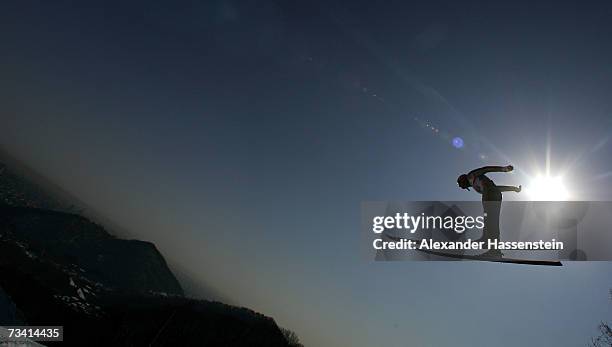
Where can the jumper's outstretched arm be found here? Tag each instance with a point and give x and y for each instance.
(510, 188)
(485, 169)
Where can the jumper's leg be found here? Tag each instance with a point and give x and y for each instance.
(492, 210)
(491, 203)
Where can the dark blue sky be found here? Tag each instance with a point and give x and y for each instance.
(241, 137)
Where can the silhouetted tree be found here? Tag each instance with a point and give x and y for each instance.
(292, 339)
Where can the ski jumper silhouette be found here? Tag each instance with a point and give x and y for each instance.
(491, 198)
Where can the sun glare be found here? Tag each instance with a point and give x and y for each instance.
(547, 188)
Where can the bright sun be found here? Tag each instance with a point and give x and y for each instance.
(547, 188)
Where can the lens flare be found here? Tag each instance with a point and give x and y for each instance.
(458, 142)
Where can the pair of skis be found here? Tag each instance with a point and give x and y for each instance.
(484, 258)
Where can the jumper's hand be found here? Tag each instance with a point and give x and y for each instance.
(518, 189)
(509, 168)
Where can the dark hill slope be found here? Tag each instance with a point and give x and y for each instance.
(57, 267)
(67, 239)
(61, 269)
